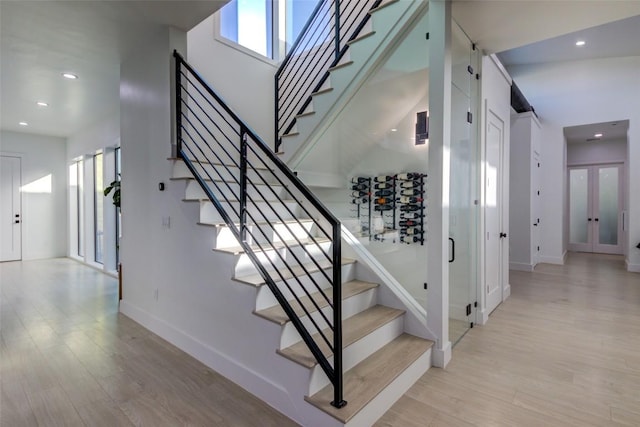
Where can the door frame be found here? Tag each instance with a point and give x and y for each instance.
(593, 204)
(20, 157)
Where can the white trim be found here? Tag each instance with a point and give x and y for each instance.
(506, 292)
(633, 268)
(521, 266)
(503, 70)
(551, 259)
(441, 356)
(273, 394)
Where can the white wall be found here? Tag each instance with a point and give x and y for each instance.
(597, 152)
(44, 214)
(173, 282)
(105, 133)
(245, 82)
(576, 93)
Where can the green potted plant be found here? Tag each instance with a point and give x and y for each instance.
(115, 187)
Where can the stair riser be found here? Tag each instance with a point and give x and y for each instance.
(180, 170)
(245, 267)
(358, 351)
(232, 191)
(266, 299)
(275, 233)
(350, 307)
(261, 212)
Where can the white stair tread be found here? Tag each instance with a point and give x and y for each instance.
(257, 280)
(277, 315)
(361, 37)
(340, 65)
(368, 378)
(236, 250)
(353, 329)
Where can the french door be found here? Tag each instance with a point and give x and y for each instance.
(595, 206)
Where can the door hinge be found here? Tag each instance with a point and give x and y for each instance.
(471, 325)
(477, 76)
(470, 69)
(469, 117)
(425, 286)
(468, 309)
(538, 164)
(473, 46)
(475, 304)
(538, 248)
(427, 35)
(538, 192)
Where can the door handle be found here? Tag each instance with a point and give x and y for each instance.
(588, 219)
(597, 219)
(535, 224)
(502, 235)
(453, 250)
(17, 221)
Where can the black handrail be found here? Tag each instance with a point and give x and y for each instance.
(206, 129)
(306, 67)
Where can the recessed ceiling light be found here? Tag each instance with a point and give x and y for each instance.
(580, 43)
(69, 76)
(598, 135)
(42, 104)
(23, 124)
(394, 130)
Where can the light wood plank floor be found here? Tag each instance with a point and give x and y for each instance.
(68, 358)
(563, 350)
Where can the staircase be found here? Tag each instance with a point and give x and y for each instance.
(312, 88)
(345, 355)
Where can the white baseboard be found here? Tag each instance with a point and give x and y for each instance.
(441, 356)
(633, 268)
(482, 317)
(520, 266)
(272, 394)
(552, 259)
(506, 292)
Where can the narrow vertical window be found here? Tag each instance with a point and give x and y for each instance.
(98, 212)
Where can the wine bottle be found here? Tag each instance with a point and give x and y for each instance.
(359, 193)
(411, 192)
(412, 230)
(360, 187)
(408, 176)
(359, 200)
(383, 178)
(383, 207)
(383, 193)
(407, 223)
(406, 199)
(359, 180)
(381, 186)
(410, 208)
(411, 215)
(410, 184)
(383, 201)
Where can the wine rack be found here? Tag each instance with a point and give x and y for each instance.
(411, 205)
(398, 199)
(384, 201)
(361, 202)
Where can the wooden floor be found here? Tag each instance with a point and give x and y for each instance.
(67, 358)
(563, 350)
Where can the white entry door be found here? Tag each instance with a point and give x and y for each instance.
(595, 206)
(10, 209)
(494, 236)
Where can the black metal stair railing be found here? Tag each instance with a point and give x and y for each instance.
(322, 43)
(241, 176)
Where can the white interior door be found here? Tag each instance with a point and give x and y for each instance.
(10, 209)
(595, 206)
(493, 244)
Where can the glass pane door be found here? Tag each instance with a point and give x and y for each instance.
(579, 208)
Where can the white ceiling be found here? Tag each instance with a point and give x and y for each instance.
(39, 40)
